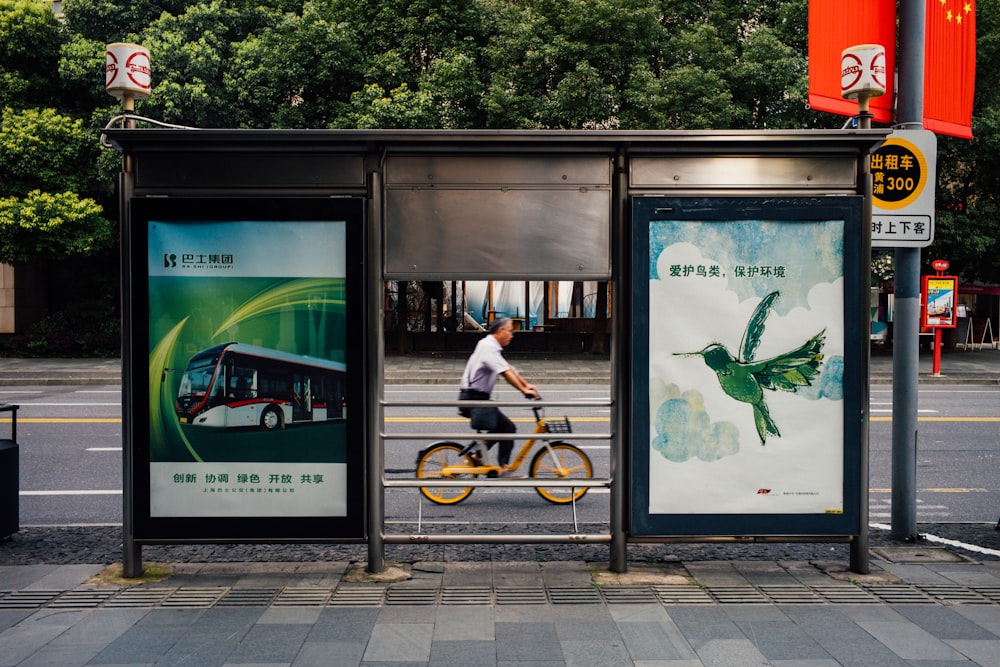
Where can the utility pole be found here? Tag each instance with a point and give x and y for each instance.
(906, 311)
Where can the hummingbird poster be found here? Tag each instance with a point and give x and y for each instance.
(746, 364)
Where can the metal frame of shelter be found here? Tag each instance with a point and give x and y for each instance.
(522, 205)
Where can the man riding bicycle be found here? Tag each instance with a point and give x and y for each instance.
(485, 366)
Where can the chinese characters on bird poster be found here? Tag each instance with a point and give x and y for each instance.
(247, 358)
(744, 364)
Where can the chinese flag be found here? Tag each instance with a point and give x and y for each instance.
(950, 67)
(835, 25)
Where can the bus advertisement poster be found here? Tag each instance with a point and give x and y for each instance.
(247, 376)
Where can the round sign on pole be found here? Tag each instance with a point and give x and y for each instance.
(862, 71)
(127, 71)
(940, 265)
(900, 173)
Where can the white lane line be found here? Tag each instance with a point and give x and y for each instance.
(98, 391)
(944, 540)
(103, 449)
(71, 525)
(74, 492)
(73, 405)
(890, 410)
(20, 391)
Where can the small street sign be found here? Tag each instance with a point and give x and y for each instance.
(904, 171)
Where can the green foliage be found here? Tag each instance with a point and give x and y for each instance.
(44, 225)
(452, 64)
(30, 37)
(41, 149)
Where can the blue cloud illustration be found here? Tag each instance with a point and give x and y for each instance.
(684, 431)
(829, 384)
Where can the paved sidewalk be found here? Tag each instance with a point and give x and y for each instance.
(718, 613)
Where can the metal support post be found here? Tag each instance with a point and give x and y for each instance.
(859, 545)
(619, 361)
(131, 551)
(374, 358)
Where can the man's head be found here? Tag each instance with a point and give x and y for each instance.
(502, 328)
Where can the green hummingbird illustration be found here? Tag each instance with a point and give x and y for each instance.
(746, 379)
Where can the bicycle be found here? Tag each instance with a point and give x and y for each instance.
(556, 459)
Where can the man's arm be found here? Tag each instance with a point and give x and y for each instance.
(519, 383)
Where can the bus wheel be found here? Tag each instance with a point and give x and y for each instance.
(270, 419)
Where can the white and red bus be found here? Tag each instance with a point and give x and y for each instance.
(233, 385)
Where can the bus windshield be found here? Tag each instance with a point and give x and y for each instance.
(196, 380)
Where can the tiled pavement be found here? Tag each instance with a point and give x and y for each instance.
(725, 613)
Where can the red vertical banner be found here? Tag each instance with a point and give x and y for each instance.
(950, 67)
(835, 25)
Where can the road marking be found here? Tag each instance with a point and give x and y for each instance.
(76, 492)
(103, 449)
(455, 420)
(945, 541)
(986, 420)
(74, 405)
(66, 420)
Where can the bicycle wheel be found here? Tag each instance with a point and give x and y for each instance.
(430, 464)
(561, 460)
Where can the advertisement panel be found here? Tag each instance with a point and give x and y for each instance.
(249, 406)
(745, 366)
(941, 298)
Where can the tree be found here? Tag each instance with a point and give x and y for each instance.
(42, 226)
(46, 164)
(41, 149)
(30, 37)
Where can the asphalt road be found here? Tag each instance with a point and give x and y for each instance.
(70, 444)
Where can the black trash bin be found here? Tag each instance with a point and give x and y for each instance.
(10, 478)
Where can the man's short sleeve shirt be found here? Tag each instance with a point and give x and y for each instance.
(484, 366)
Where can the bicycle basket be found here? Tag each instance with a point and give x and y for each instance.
(559, 425)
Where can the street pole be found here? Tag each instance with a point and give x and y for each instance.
(906, 312)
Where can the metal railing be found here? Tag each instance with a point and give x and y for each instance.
(479, 538)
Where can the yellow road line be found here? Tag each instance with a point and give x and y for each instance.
(456, 420)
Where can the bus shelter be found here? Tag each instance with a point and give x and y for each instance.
(253, 266)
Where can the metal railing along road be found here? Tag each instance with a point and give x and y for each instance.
(479, 538)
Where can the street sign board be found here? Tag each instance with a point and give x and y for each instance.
(903, 181)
